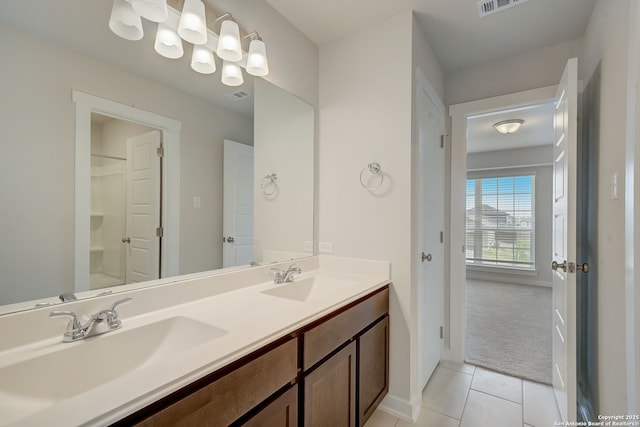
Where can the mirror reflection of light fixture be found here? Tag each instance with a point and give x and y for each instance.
(257, 64)
(125, 21)
(202, 60)
(153, 10)
(231, 74)
(508, 126)
(193, 27)
(190, 25)
(229, 47)
(168, 42)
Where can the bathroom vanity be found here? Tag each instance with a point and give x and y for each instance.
(226, 349)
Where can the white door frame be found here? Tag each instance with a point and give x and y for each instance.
(87, 104)
(458, 167)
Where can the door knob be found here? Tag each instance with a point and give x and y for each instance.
(426, 257)
(584, 267)
(230, 239)
(126, 240)
(555, 266)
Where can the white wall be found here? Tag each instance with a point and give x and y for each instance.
(536, 160)
(528, 70)
(365, 116)
(606, 42)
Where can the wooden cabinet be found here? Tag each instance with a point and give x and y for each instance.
(282, 412)
(227, 398)
(330, 391)
(333, 372)
(373, 368)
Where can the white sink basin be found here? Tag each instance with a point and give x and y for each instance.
(77, 367)
(311, 288)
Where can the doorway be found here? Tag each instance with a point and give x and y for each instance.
(170, 130)
(508, 219)
(126, 218)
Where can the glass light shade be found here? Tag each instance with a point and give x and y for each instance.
(202, 60)
(508, 126)
(168, 43)
(193, 24)
(257, 64)
(231, 74)
(153, 10)
(125, 21)
(229, 47)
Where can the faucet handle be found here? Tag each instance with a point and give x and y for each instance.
(117, 303)
(74, 323)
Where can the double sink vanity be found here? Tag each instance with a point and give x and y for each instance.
(221, 349)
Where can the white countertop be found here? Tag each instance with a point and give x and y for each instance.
(250, 318)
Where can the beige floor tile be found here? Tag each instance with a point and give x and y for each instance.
(381, 419)
(460, 367)
(499, 385)
(429, 418)
(446, 392)
(484, 410)
(540, 408)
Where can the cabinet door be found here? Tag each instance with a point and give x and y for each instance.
(282, 412)
(329, 391)
(373, 371)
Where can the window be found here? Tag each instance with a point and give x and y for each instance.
(500, 222)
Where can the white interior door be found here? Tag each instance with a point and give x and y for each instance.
(564, 242)
(237, 222)
(143, 207)
(431, 230)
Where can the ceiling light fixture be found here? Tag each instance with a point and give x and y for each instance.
(508, 126)
(190, 25)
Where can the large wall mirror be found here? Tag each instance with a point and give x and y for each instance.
(87, 204)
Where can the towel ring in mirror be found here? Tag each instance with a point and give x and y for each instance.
(375, 170)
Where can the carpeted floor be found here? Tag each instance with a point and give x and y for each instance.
(509, 329)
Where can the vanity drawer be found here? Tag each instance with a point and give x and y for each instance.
(325, 337)
(229, 397)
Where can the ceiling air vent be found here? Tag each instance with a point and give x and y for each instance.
(240, 94)
(489, 7)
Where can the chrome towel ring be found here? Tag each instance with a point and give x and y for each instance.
(268, 185)
(374, 178)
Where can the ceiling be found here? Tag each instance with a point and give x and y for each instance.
(459, 37)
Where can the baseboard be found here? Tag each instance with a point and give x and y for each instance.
(396, 406)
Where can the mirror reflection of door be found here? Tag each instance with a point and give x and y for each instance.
(125, 202)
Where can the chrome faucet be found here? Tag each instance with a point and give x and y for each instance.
(282, 276)
(100, 323)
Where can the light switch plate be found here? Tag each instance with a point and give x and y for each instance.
(325, 248)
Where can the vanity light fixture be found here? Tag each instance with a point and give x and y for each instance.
(202, 60)
(168, 42)
(229, 47)
(125, 21)
(153, 10)
(508, 126)
(257, 64)
(231, 74)
(191, 25)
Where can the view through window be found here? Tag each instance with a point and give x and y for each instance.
(500, 221)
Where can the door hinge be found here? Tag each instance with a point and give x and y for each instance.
(442, 237)
(441, 332)
(442, 140)
(160, 151)
(159, 231)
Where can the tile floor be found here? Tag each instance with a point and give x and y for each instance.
(461, 395)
